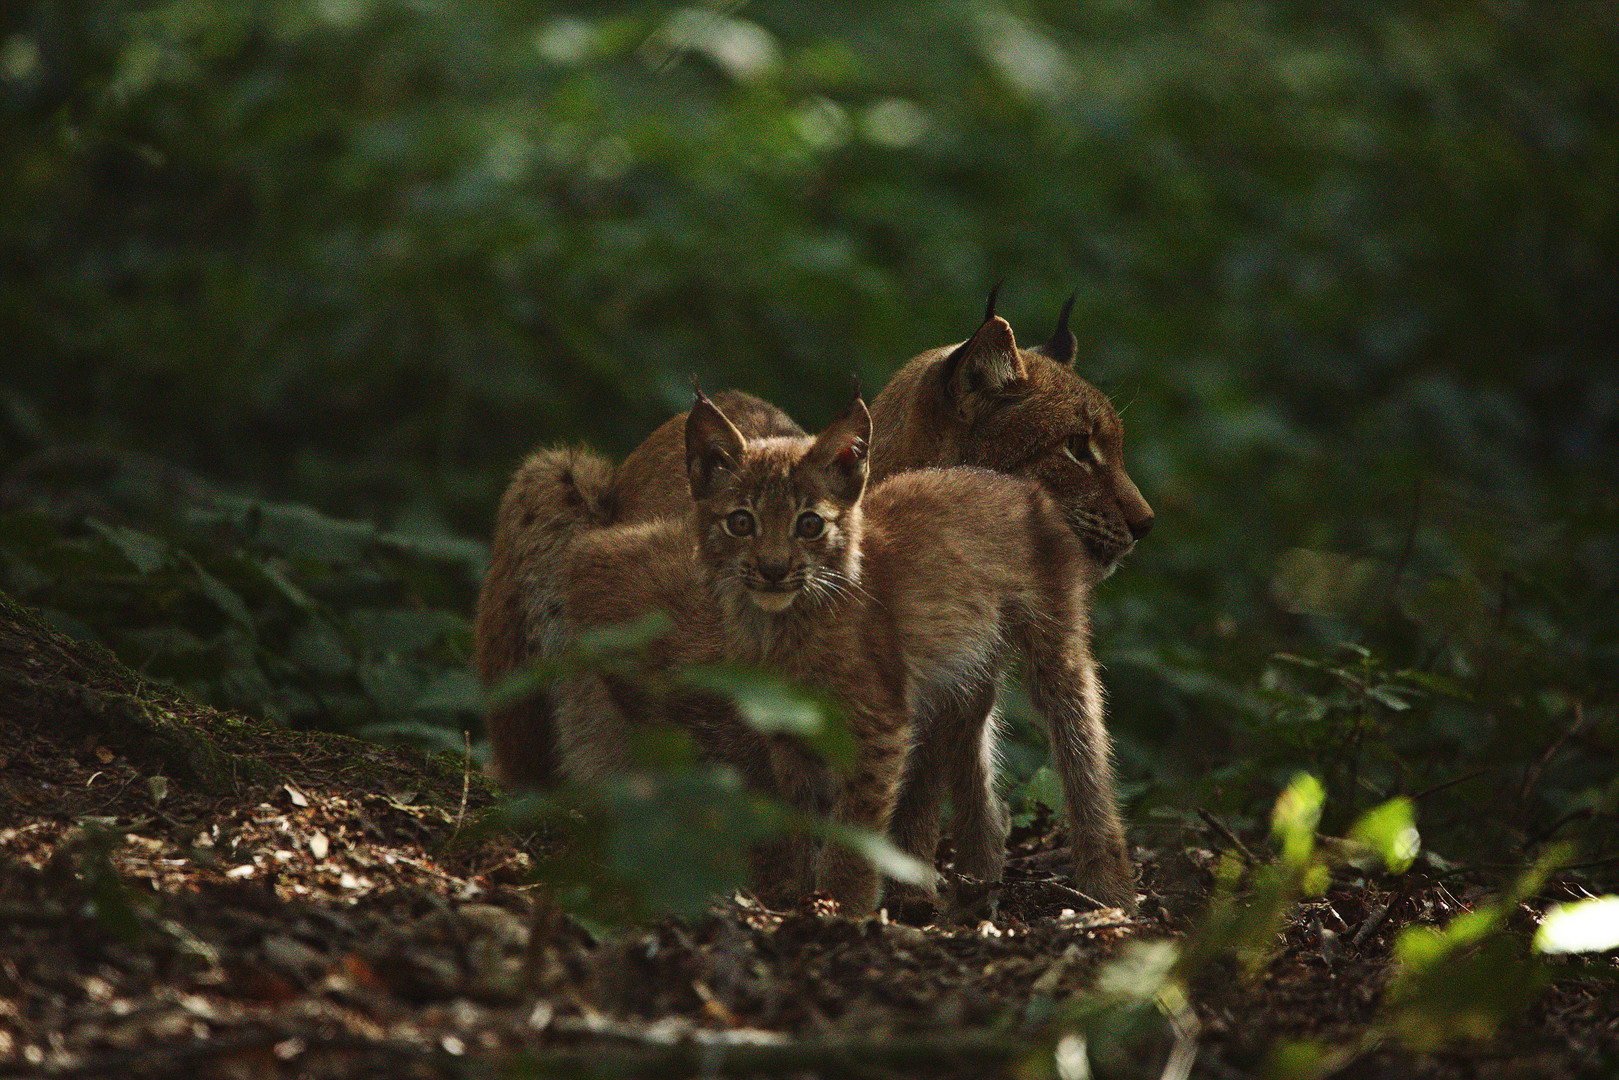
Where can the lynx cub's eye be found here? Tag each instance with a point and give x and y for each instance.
(810, 525)
(739, 523)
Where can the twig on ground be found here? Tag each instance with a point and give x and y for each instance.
(1373, 921)
(1227, 835)
(466, 782)
(1531, 777)
(1452, 782)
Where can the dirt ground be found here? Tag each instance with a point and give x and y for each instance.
(347, 919)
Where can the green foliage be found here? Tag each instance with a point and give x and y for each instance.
(675, 833)
(773, 707)
(1244, 923)
(1137, 1012)
(276, 611)
(1584, 926)
(1390, 831)
(1452, 983)
(1460, 982)
(661, 841)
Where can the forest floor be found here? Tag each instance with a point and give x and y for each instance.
(331, 909)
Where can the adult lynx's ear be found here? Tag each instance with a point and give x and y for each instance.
(840, 452)
(712, 443)
(1063, 344)
(983, 366)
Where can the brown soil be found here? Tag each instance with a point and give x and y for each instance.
(186, 894)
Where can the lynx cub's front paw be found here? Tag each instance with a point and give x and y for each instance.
(850, 880)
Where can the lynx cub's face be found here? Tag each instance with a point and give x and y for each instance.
(778, 519)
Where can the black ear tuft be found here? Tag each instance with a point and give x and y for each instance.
(994, 295)
(1063, 344)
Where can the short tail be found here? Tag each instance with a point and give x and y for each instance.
(554, 496)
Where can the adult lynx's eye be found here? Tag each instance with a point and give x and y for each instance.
(810, 525)
(1082, 451)
(739, 523)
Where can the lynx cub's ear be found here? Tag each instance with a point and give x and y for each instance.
(1063, 344)
(712, 443)
(841, 451)
(984, 365)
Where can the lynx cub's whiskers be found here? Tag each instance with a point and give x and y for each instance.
(912, 597)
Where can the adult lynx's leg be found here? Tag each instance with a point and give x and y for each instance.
(554, 497)
(1064, 685)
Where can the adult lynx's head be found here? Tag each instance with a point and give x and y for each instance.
(1026, 412)
(777, 518)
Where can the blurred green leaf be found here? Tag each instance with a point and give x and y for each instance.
(889, 860)
(146, 554)
(1391, 831)
(1584, 926)
(1293, 822)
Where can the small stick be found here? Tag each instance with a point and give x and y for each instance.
(466, 783)
(1230, 837)
(1373, 921)
(1452, 782)
(1532, 776)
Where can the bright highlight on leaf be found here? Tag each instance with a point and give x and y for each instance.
(1586, 926)
(1391, 831)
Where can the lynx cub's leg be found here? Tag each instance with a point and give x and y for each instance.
(1065, 688)
(801, 780)
(595, 740)
(865, 800)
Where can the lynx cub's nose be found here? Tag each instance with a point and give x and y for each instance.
(775, 573)
(1140, 527)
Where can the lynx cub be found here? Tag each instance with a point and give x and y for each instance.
(896, 601)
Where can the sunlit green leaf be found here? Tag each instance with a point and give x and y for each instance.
(1297, 812)
(1584, 926)
(1391, 831)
